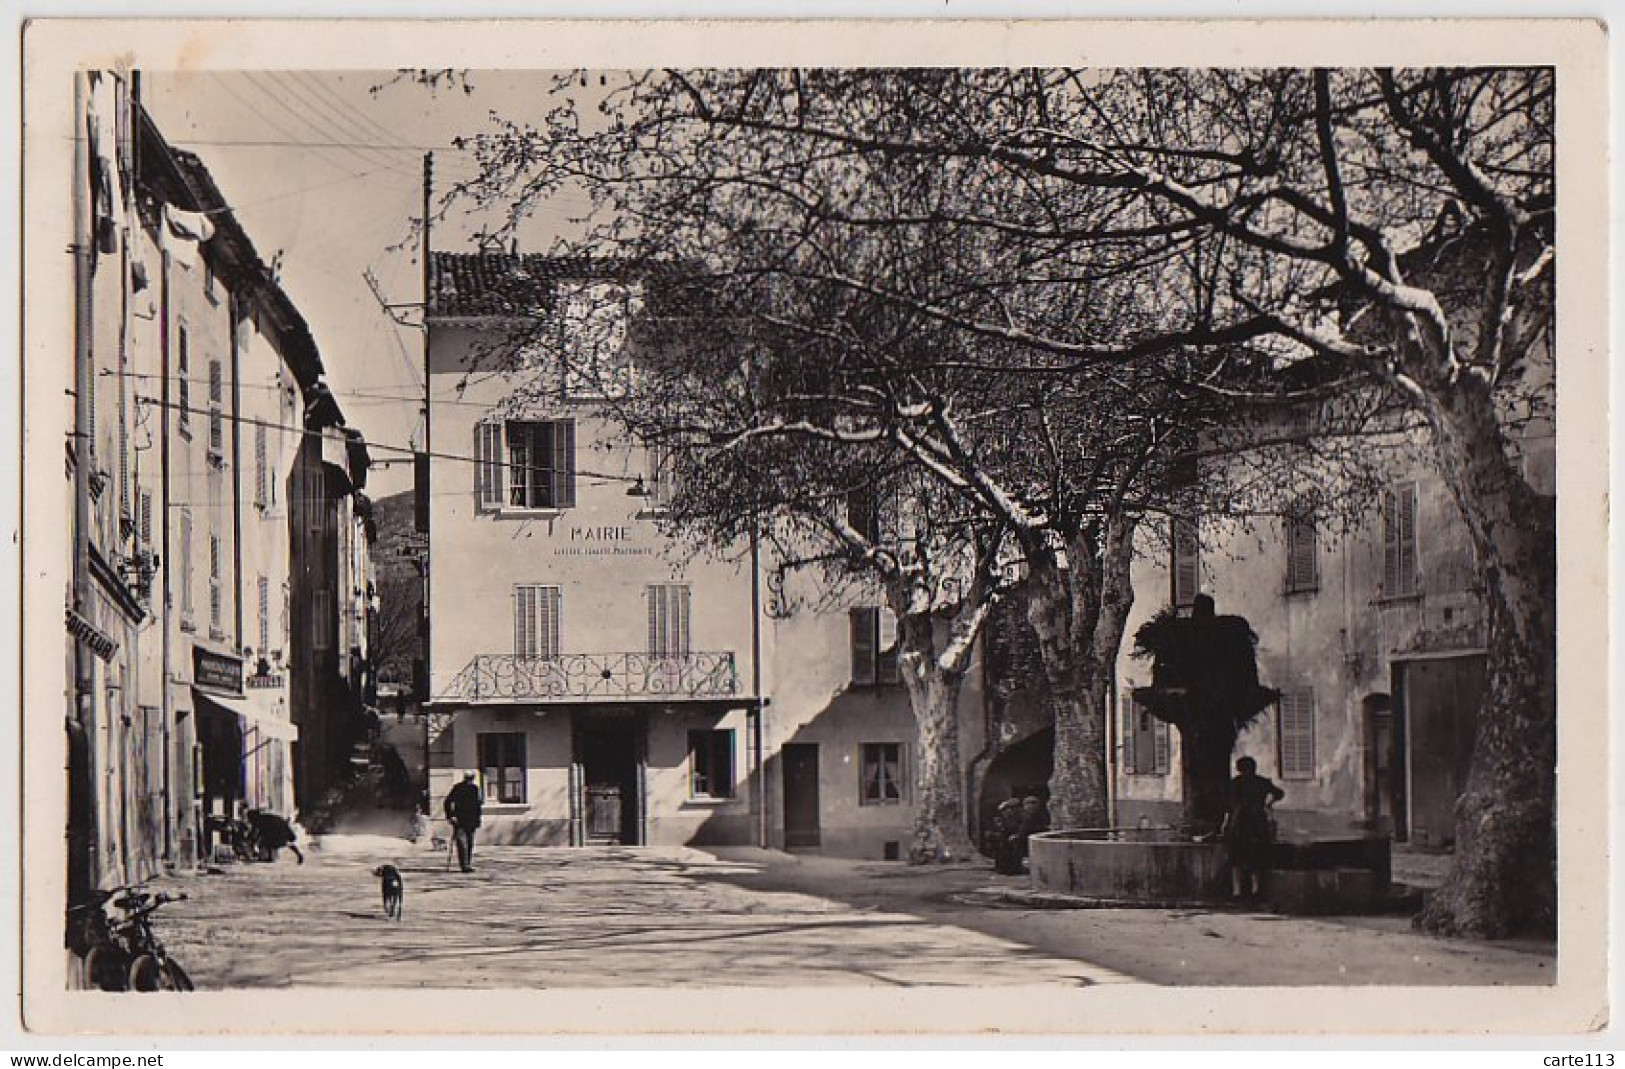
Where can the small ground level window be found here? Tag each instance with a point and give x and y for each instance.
(882, 773)
(711, 764)
(502, 766)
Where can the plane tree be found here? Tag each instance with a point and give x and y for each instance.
(1192, 235)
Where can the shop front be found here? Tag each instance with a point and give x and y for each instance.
(218, 704)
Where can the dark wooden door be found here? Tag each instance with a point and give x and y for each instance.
(801, 795)
(1441, 713)
(610, 753)
(604, 813)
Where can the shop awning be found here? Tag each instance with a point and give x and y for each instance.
(252, 714)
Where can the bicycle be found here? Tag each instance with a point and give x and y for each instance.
(104, 964)
(151, 967)
(126, 954)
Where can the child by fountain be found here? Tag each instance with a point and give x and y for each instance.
(1248, 828)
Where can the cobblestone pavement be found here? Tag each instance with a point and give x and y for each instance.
(615, 917)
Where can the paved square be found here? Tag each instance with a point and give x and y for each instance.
(616, 917)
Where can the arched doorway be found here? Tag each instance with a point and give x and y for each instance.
(1018, 771)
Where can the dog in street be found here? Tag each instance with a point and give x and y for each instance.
(394, 891)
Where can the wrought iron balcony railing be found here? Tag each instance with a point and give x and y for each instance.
(576, 677)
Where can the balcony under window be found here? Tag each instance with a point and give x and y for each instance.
(575, 677)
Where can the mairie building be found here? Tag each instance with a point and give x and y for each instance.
(605, 683)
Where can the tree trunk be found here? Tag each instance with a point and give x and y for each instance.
(940, 832)
(1504, 877)
(1077, 785)
(1079, 613)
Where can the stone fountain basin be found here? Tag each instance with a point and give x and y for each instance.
(1155, 866)
(1128, 864)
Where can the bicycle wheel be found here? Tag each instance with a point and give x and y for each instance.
(179, 981)
(147, 974)
(106, 969)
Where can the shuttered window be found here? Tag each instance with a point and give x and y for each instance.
(669, 619)
(186, 565)
(1399, 541)
(144, 520)
(315, 498)
(541, 464)
(662, 488)
(1297, 734)
(1145, 740)
(214, 581)
(1302, 554)
(183, 381)
(265, 615)
(217, 391)
(536, 621)
(874, 647)
(261, 468)
(488, 479)
(1186, 564)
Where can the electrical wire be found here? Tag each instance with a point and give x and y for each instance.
(359, 394)
(387, 447)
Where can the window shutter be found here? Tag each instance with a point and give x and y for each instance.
(1399, 541)
(1145, 742)
(145, 519)
(651, 598)
(1297, 735)
(183, 383)
(265, 614)
(186, 562)
(1129, 721)
(1390, 542)
(1407, 538)
(315, 497)
(260, 473)
(683, 636)
(216, 395)
(488, 465)
(864, 632)
(886, 647)
(536, 623)
(1302, 553)
(1159, 763)
(564, 463)
(523, 615)
(551, 624)
(1187, 561)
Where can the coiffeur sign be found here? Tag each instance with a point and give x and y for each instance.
(92, 636)
(216, 671)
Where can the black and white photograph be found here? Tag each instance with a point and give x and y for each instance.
(1002, 527)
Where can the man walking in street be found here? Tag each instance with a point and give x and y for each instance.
(463, 805)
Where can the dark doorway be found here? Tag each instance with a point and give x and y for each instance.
(608, 750)
(1021, 770)
(1440, 710)
(801, 796)
(1385, 767)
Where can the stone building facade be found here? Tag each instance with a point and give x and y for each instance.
(603, 681)
(197, 381)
